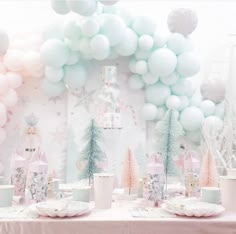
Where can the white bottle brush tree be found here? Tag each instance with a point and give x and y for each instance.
(92, 152)
(168, 131)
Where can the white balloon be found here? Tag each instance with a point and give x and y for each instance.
(149, 111)
(182, 20)
(150, 79)
(144, 25)
(108, 2)
(90, 27)
(177, 43)
(188, 64)
(14, 80)
(54, 74)
(207, 107)
(13, 60)
(135, 82)
(162, 62)
(129, 44)
(60, 6)
(141, 67)
(145, 42)
(173, 102)
(113, 27)
(191, 118)
(170, 79)
(157, 94)
(100, 47)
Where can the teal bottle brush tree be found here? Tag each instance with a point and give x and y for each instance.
(168, 131)
(92, 152)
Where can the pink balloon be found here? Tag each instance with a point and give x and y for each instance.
(2, 135)
(14, 80)
(10, 99)
(3, 85)
(13, 60)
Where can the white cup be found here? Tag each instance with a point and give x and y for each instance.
(210, 195)
(6, 195)
(81, 193)
(103, 187)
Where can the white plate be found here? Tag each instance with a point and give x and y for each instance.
(192, 208)
(62, 208)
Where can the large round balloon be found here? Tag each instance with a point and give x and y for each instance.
(150, 79)
(157, 94)
(100, 47)
(54, 53)
(83, 7)
(135, 82)
(72, 30)
(213, 90)
(149, 111)
(162, 62)
(113, 27)
(60, 6)
(90, 27)
(191, 118)
(4, 42)
(170, 79)
(177, 43)
(108, 2)
(75, 76)
(53, 89)
(182, 20)
(184, 87)
(129, 44)
(188, 64)
(144, 25)
(54, 74)
(207, 107)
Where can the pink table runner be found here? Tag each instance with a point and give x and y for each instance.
(119, 220)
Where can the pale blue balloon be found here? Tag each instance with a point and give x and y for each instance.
(54, 53)
(184, 87)
(159, 39)
(113, 27)
(75, 76)
(53, 89)
(141, 67)
(129, 44)
(60, 6)
(207, 107)
(188, 64)
(177, 43)
(144, 25)
(72, 30)
(54, 74)
(157, 94)
(100, 47)
(162, 62)
(145, 42)
(135, 82)
(149, 111)
(191, 118)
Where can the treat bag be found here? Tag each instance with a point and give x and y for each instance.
(19, 174)
(154, 182)
(37, 182)
(191, 175)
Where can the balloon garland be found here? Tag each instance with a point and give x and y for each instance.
(162, 66)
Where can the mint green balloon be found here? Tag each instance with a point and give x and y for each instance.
(75, 76)
(170, 79)
(100, 47)
(53, 89)
(177, 43)
(54, 74)
(54, 53)
(144, 25)
(60, 6)
(72, 30)
(184, 87)
(140, 54)
(90, 27)
(113, 27)
(129, 43)
(184, 102)
(157, 94)
(208, 107)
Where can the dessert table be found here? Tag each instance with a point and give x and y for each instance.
(120, 220)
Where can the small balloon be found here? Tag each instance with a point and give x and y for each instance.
(191, 118)
(157, 94)
(144, 25)
(14, 80)
(184, 102)
(53, 89)
(173, 102)
(162, 62)
(188, 64)
(141, 67)
(60, 6)
(135, 82)
(149, 111)
(54, 74)
(150, 79)
(177, 43)
(145, 42)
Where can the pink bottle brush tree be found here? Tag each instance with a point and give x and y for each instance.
(208, 174)
(130, 172)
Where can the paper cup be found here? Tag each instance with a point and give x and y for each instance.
(103, 187)
(81, 193)
(210, 195)
(6, 195)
